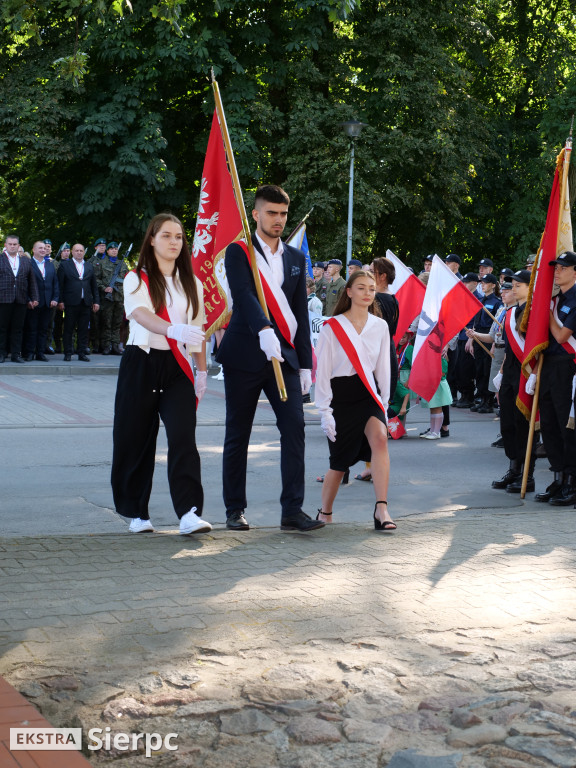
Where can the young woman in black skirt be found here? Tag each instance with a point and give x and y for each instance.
(164, 302)
(352, 393)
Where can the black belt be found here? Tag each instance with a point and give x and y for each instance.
(499, 346)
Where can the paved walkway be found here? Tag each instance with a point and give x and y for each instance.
(449, 643)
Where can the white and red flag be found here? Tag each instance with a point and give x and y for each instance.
(448, 306)
(409, 292)
(218, 224)
(557, 237)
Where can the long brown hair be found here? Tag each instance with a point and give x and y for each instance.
(345, 302)
(182, 267)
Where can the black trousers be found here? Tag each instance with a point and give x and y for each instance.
(482, 364)
(76, 317)
(464, 373)
(36, 330)
(152, 386)
(514, 427)
(555, 402)
(12, 317)
(243, 390)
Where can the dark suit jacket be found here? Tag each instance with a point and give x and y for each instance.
(20, 289)
(71, 286)
(48, 288)
(240, 347)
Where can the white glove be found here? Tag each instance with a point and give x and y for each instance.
(328, 426)
(270, 345)
(200, 384)
(305, 380)
(531, 384)
(188, 334)
(497, 381)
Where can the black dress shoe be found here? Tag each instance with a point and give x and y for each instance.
(499, 443)
(554, 488)
(565, 498)
(67, 358)
(50, 351)
(29, 358)
(510, 477)
(444, 432)
(463, 403)
(300, 522)
(84, 358)
(516, 486)
(17, 359)
(43, 358)
(236, 521)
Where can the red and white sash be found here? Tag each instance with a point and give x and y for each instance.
(276, 300)
(352, 344)
(570, 345)
(182, 359)
(515, 339)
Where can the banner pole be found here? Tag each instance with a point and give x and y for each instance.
(566, 166)
(245, 226)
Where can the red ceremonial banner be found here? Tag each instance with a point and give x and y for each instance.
(218, 224)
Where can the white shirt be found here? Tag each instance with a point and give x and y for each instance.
(135, 297)
(41, 266)
(333, 360)
(14, 262)
(274, 259)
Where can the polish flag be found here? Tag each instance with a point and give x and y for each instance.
(448, 306)
(409, 292)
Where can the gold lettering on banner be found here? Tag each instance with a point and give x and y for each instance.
(216, 299)
(209, 307)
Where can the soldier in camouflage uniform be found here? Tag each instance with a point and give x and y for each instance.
(96, 317)
(111, 299)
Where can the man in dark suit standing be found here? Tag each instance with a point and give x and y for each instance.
(38, 318)
(250, 342)
(78, 295)
(17, 291)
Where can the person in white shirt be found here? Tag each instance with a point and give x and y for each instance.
(164, 303)
(352, 393)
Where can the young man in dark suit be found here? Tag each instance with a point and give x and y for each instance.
(250, 342)
(78, 295)
(17, 291)
(38, 318)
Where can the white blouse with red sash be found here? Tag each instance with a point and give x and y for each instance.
(372, 348)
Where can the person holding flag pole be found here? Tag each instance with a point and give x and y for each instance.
(549, 365)
(269, 327)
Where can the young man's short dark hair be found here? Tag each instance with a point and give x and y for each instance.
(271, 194)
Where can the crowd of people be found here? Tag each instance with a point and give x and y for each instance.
(68, 302)
(339, 332)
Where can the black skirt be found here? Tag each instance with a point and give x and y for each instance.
(352, 406)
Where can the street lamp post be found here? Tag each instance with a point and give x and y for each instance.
(353, 129)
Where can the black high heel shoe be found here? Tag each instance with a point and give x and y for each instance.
(387, 525)
(326, 514)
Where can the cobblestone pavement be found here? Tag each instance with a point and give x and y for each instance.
(454, 638)
(449, 643)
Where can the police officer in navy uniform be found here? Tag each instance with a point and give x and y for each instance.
(482, 323)
(250, 342)
(558, 369)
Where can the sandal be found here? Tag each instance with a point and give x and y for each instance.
(387, 525)
(326, 514)
(345, 478)
(363, 478)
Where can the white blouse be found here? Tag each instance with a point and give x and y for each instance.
(333, 360)
(135, 297)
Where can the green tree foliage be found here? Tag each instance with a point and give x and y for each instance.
(107, 106)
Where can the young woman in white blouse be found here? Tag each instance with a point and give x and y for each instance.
(164, 303)
(352, 393)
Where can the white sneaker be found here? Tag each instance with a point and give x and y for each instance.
(431, 436)
(191, 523)
(140, 526)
